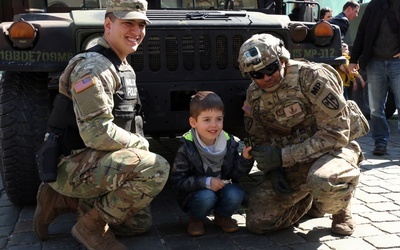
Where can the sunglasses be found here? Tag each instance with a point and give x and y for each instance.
(268, 70)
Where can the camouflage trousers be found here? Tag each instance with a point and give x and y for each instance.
(329, 182)
(120, 184)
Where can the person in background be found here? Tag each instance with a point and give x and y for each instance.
(303, 133)
(325, 14)
(207, 166)
(376, 49)
(104, 166)
(349, 12)
(229, 4)
(302, 11)
(348, 77)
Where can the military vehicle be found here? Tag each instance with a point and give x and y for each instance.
(191, 45)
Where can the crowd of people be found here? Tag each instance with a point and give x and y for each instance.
(302, 136)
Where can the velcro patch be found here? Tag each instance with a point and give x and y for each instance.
(292, 110)
(248, 122)
(329, 101)
(246, 108)
(83, 84)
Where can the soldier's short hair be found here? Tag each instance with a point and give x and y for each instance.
(205, 100)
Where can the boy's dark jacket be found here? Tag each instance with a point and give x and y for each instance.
(188, 174)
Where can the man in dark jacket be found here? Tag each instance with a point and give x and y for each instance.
(377, 50)
(350, 11)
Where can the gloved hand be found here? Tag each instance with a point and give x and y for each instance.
(279, 182)
(267, 157)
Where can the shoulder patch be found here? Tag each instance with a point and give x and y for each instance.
(246, 108)
(331, 102)
(315, 88)
(83, 83)
(248, 122)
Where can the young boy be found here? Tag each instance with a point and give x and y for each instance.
(348, 78)
(207, 166)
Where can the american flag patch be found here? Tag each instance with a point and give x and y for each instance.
(83, 84)
(246, 108)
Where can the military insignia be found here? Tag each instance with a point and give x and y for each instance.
(316, 88)
(246, 108)
(83, 84)
(331, 102)
(248, 122)
(292, 110)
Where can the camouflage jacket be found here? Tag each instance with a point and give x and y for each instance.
(91, 80)
(307, 116)
(188, 174)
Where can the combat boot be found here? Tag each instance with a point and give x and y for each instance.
(49, 205)
(90, 231)
(342, 222)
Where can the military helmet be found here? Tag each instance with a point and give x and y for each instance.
(261, 50)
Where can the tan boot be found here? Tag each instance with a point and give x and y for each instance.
(90, 231)
(196, 227)
(50, 204)
(228, 225)
(342, 222)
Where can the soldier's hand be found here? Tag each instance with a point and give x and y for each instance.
(267, 157)
(279, 182)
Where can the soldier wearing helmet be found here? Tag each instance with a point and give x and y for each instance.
(303, 133)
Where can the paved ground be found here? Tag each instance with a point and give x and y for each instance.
(376, 210)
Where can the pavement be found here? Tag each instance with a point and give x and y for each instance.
(375, 206)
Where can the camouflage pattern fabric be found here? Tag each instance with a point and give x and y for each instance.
(136, 224)
(115, 173)
(260, 51)
(128, 9)
(330, 182)
(308, 118)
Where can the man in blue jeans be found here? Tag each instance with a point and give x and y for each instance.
(377, 50)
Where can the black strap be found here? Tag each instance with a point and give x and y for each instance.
(109, 53)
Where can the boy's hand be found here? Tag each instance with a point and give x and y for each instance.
(246, 153)
(216, 184)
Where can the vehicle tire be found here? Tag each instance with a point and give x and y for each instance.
(24, 110)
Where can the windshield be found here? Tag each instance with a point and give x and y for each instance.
(76, 4)
(289, 5)
(208, 4)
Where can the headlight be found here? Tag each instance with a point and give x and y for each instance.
(322, 33)
(298, 32)
(91, 42)
(22, 34)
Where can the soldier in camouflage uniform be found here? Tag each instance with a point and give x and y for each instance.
(303, 132)
(113, 174)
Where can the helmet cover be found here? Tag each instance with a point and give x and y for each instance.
(259, 51)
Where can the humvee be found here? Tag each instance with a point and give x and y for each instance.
(191, 45)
